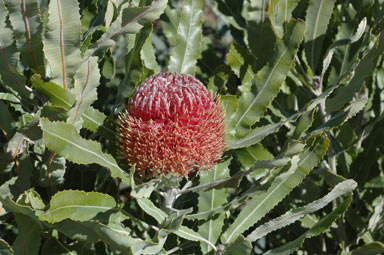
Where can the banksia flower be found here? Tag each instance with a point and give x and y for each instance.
(172, 124)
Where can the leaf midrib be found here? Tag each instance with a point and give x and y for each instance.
(79, 206)
(84, 149)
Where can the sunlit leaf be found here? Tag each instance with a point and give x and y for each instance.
(189, 32)
(64, 139)
(62, 41)
(77, 205)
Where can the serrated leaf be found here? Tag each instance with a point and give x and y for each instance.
(318, 14)
(268, 80)
(62, 41)
(148, 207)
(317, 229)
(363, 69)
(279, 13)
(58, 96)
(184, 55)
(344, 115)
(27, 26)
(209, 200)
(9, 57)
(148, 57)
(261, 204)
(297, 213)
(257, 134)
(87, 79)
(170, 26)
(77, 205)
(342, 42)
(64, 139)
(129, 21)
(303, 124)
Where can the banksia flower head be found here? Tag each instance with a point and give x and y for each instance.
(172, 124)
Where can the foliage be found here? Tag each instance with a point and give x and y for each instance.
(302, 86)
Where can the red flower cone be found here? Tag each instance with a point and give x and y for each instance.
(172, 124)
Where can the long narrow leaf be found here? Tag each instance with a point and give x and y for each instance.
(189, 35)
(62, 41)
(58, 96)
(280, 12)
(64, 139)
(209, 200)
(268, 80)
(317, 18)
(129, 21)
(191, 235)
(320, 227)
(9, 57)
(27, 26)
(86, 81)
(363, 70)
(260, 205)
(295, 214)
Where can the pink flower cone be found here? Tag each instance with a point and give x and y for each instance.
(172, 124)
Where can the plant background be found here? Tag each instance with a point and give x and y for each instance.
(301, 82)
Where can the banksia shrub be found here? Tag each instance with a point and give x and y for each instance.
(172, 124)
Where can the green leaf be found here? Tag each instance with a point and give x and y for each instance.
(62, 41)
(148, 207)
(279, 13)
(27, 26)
(318, 14)
(58, 96)
(320, 227)
(5, 248)
(64, 139)
(77, 205)
(209, 200)
(268, 80)
(87, 80)
(54, 246)
(17, 208)
(261, 41)
(303, 124)
(373, 248)
(363, 69)
(189, 234)
(28, 239)
(257, 134)
(297, 213)
(344, 115)
(129, 21)
(170, 26)
(261, 204)
(184, 55)
(240, 246)
(9, 57)
(148, 57)
(91, 231)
